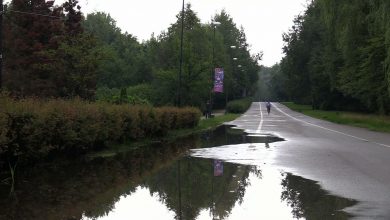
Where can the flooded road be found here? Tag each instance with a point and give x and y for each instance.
(190, 189)
(220, 174)
(347, 161)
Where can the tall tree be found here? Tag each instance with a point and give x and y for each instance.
(196, 60)
(78, 56)
(124, 60)
(47, 52)
(28, 42)
(337, 50)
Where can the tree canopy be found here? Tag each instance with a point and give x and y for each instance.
(66, 54)
(337, 56)
(47, 53)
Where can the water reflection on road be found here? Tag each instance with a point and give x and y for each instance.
(217, 180)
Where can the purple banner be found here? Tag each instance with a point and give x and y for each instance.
(218, 168)
(218, 80)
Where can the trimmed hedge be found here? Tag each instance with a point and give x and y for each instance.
(35, 127)
(239, 106)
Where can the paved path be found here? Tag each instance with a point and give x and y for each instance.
(347, 161)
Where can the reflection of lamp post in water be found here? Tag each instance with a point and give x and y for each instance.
(212, 193)
(179, 217)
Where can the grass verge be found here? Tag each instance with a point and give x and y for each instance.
(205, 124)
(369, 121)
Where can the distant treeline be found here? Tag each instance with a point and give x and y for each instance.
(67, 54)
(337, 57)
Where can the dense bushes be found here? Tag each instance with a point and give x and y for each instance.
(239, 106)
(35, 127)
(120, 96)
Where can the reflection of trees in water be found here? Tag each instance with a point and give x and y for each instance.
(309, 201)
(222, 135)
(67, 190)
(199, 189)
(233, 191)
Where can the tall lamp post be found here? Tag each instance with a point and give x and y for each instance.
(234, 59)
(233, 75)
(214, 24)
(239, 78)
(181, 56)
(1, 42)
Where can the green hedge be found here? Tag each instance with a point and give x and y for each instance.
(239, 106)
(35, 127)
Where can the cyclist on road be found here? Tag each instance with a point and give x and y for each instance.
(268, 105)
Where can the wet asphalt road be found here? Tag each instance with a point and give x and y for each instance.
(347, 161)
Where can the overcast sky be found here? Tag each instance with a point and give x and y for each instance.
(264, 21)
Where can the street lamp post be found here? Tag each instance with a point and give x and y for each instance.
(1, 42)
(244, 89)
(181, 56)
(239, 78)
(234, 73)
(234, 59)
(214, 24)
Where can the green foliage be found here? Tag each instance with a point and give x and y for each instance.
(153, 66)
(78, 56)
(33, 128)
(79, 59)
(337, 56)
(143, 91)
(272, 84)
(106, 94)
(116, 96)
(216, 121)
(124, 62)
(239, 106)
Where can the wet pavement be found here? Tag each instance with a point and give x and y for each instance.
(347, 161)
(278, 166)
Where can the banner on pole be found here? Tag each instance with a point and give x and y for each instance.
(218, 80)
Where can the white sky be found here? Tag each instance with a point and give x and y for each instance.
(264, 21)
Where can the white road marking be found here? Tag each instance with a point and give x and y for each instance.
(261, 120)
(328, 129)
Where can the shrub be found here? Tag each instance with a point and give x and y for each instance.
(35, 127)
(239, 106)
(121, 96)
(143, 91)
(3, 131)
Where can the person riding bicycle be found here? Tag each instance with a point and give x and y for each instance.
(268, 105)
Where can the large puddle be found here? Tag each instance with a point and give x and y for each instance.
(216, 175)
